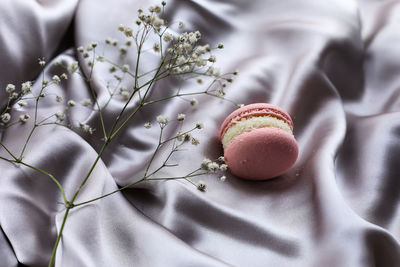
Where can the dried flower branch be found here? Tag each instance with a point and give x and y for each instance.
(181, 56)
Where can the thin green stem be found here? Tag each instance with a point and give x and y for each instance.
(89, 81)
(155, 153)
(111, 193)
(53, 254)
(8, 151)
(141, 103)
(27, 141)
(90, 171)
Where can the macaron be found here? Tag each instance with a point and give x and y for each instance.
(258, 141)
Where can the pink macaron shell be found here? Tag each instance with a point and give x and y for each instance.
(261, 154)
(269, 108)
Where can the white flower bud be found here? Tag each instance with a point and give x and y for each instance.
(162, 120)
(24, 118)
(60, 115)
(193, 102)
(125, 68)
(181, 117)
(10, 88)
(22, 103)
(86, 102)
(201, 186)
(6, 117)
(71, 103)
(56, 79)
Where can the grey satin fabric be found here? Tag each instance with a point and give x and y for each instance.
(333, 65)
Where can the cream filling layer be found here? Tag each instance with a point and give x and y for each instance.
(252, 123)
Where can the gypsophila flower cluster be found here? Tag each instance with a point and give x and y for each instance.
(162, 120)
(180, 57)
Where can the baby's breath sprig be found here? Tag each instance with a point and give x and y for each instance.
(181, 56)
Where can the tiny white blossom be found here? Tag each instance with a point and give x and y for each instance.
(167, 37)
(187, 46)
(64, 76)
(6, 117)
(240, 105)
(86, 128)
(80, 49)
(125, 68)
(93, 44)
(181, 25)
(220, 45)
(128, 32)
(14, 95)
(121, 27)
(192, 38)
(22, 103)
(73, 67)
(100, 58)
(223, 178)
(26, 87)
(86, 102)
(156, 47)
(223, 167)
(162, 120)
(179, 136)
(112, 69)
(220, 93)
(89, 47)
(221, 158)
(42, 63)
(125, 95)
(180, 60)
(123, 49)
(195, 141)
(193, 102)
(147, 125)
(201, 186)
(157, 9)
(10, 88)
(71, 103)
(212, 58)
(24, 118)
(56, 79)
(199, 125)
(59, 98)
(213, 166)
(181, 117)
(60, 115)
(205, 162)
(186, 137)
(156, 21)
